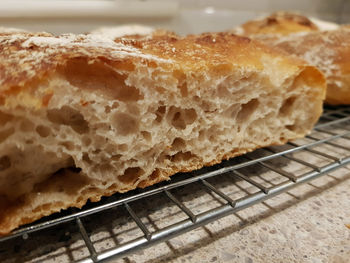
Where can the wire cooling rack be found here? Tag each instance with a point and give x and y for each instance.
(236, 184)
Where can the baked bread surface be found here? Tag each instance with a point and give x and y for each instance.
(281, 23)
(85, 116)
(322, 44)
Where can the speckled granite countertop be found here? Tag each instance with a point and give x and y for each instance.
(306, 225)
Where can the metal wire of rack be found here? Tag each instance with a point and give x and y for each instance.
(332, 131)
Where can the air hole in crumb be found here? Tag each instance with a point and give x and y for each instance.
(160, 113)
(155, 174)
(178, 144)
(232, 111)
(202, 135)
(287, 106)
(180, 118)
(131, 175)
(43, 131)
(102, 78)
(150, 153)
(147, 135)
(116, 157)
(74, 169)
(183, 156)
(159, 89)
(68, 145)
(86, 158)
(154, 177)
(206, 106)
(292, 128)
(223, 92)
(5, 163)
(112, 187)
(70, 117)
(190, 115)
(108, 109)
(133, 108)
(122, 147)
(125, 124)
(115, 105)
(247, 110)
(183, 89)
(106, 167)
(96, 151)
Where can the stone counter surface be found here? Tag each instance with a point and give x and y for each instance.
(306, 225)
(309, 223)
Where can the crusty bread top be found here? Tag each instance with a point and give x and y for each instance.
(335, 43)
(328, 50)
(282, 23)
(320, 43)
(26, 57)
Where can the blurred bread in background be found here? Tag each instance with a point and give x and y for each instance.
(323, 44)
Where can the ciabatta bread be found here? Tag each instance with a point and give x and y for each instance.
(322, 44)
(282, 24)
(83, 116)
(279, 23)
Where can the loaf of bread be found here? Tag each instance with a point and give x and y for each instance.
(86, 116)
(322, 44)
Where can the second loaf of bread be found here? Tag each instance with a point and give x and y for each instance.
(323, 44)
(129, 113)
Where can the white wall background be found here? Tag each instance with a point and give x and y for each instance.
(182, 16)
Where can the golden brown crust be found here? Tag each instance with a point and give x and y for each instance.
(281, 23)
(28, 56)
(27, 59)
(330, 52)
(297, 35)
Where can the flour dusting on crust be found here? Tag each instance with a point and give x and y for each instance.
(124, 30)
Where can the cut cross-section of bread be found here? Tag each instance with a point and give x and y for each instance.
(323, 44)
(83, 116)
